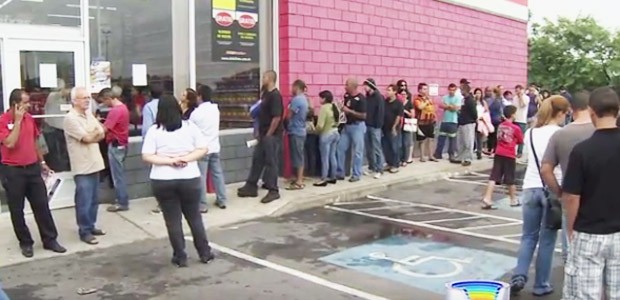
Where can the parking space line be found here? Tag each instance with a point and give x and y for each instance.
(360, 202)
(446, 209)
(508, 236)
(491, 226)
(384, 207)
(424, 213)
(296, 273)
(478, 174)
(424, 225)
(454, 219)
(466, 181)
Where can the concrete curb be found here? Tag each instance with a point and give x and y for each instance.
(356, 192)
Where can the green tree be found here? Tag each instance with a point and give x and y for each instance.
(578, 54)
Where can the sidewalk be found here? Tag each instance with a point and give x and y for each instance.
(140, 224)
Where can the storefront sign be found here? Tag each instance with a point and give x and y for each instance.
(235, 30)
(100, 76)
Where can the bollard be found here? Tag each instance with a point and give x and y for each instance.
(477, 290)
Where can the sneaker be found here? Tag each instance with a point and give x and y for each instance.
(367, 173)
(393, 170)
(247, 192)
(117, 208)
(517, 283)
(377, 175)
(220, 205)
(156, 210)
(270, 197)
(466, 164)
(354, 179)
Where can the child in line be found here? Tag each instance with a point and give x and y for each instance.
(509, 135)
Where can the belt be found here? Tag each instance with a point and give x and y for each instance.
(23, 167)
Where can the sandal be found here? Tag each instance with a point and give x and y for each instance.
(515, 204)
(295, 186)
(488, 206)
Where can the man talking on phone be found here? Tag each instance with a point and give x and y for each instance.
(23, 165)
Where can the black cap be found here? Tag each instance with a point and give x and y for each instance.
(464, 81)
(371, 83)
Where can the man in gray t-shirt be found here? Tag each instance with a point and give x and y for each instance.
(561, 145)
(562, 142)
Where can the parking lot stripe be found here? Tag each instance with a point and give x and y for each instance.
(446, 209)
(296, 273)
(424, 225)
(454, 219)
(491, 226)
(385, 207)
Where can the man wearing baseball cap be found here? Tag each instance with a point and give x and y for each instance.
(375, 114)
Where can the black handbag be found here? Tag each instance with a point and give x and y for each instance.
(553, 209)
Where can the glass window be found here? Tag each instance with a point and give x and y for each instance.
(127, 33)
(227, 56)
(41, 12)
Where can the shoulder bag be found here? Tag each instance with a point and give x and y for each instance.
(553, 208)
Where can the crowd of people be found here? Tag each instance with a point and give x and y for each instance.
(572, 146)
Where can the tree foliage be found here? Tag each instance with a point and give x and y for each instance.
(578, 54)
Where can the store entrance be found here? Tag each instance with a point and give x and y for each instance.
(47, 70)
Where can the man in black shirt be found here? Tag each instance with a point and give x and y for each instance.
(392, 126)
(266, 154)
(352, 136)
(466, 133)
(375, 113)
(590, 196)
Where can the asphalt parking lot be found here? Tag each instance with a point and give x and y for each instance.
(405, 243)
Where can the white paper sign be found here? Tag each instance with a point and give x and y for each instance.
(65, 107)
(48, 76)
(138, 72)
(433, 89)
(100, 76)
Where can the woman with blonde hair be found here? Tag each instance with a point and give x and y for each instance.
(549, 118)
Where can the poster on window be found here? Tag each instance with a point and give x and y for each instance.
(235, 30)
(100, 76)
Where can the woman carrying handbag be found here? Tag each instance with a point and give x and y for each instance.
(537, 202)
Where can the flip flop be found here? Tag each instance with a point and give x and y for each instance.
(487, 206)
(295, 186)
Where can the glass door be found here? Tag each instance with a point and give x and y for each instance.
(47, 70)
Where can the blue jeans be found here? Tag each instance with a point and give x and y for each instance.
(352, 136)
(212, 162)
(407, 141)
(447, 131)
(3, 295)
(374, 151)
(523, 127)
(328, 145)
(391, 146)
(535, 233)
(117, 155)
(86, 204)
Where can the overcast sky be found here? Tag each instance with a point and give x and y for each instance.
(602, 10)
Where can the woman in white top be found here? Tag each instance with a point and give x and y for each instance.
(551, 115)
(172, 146)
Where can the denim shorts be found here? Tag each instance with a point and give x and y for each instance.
(297, 150)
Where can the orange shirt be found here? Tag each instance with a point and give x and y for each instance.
(427, 114)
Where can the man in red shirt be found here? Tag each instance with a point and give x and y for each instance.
(23, 167)
(509, 135)
(116, 128)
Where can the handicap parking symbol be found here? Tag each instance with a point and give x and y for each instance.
(421, 263)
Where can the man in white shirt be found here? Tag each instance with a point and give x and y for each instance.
(207, 117)
(522, 102)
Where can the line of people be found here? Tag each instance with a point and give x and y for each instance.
(569, 184)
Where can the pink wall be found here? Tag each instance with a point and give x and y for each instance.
(323, 42)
